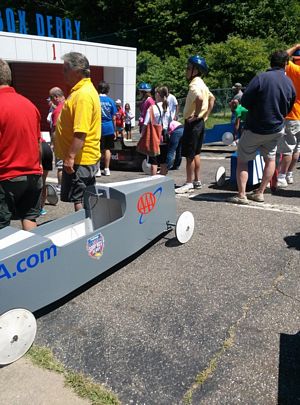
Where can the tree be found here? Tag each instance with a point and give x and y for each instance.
(262, 18)
(168, 71)
(235, 60)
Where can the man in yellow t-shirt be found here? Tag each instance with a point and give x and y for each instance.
(292, 123)
(198, 105)
(78, 130)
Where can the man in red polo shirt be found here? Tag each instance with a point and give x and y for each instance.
(20, 167)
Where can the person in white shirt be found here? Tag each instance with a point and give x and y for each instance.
(173, 106)
(163, 117)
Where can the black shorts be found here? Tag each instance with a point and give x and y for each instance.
(73, 185)
(47, 156)
(160, 159)
(127, 127)
(20, 198)
(107, 142)
(192, 138)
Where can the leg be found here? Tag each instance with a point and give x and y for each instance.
(107, 156)
(197, 168)
(190, 170)
(178, 158)
(28, 224)
(241, 177)
(44, 192)
(171, 151)
(267, 175)
(163, 169)
(59, 176)
(78, 206)
(153, 170)
(285, 163)
(294, 161)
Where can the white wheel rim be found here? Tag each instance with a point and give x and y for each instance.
(146, 167)
(185, 227)
(52, 196)
(17, 333)
(221, 176)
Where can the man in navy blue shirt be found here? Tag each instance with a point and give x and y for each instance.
(108, 125)
(269, 97)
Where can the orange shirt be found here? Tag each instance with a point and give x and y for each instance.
(293, 72)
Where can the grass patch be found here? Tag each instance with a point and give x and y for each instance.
(83, 386)
(203, 376)
(215, 119)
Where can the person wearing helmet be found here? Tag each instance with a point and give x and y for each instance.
(147, 101)
(292, 124)
(199, 103)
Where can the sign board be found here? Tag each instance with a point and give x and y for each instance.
(45, 25)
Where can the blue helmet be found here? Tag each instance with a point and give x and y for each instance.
(144, 87)
(199, 63)
(297, 53)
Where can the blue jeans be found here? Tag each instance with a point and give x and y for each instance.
(174, 148)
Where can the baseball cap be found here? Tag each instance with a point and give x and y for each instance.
(118, 101)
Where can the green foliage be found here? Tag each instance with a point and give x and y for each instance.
(262, 18)
(240, 59)
(235, 37)
(235, 60)
(168, 71)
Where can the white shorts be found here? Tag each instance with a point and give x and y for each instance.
(290, 143)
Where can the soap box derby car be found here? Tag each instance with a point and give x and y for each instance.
(40, 267)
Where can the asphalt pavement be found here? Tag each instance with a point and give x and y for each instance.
(214, 321)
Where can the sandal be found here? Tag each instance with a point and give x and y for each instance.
(238, 200)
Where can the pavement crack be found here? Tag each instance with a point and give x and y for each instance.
(228, 342)
(287, 295)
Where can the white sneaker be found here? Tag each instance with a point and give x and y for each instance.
(186, 188)
(98, 174)
(197, 185)
(281, 182)
(289, 178)
(106, 172)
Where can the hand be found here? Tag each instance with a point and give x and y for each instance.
(192, 118)
(69, 165)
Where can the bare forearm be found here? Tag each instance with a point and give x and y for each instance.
(76, 145)
(198, 106)
(211, 103)
(293, 49)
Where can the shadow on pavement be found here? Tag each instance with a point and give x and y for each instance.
(173, 242)
(293, 242)
(289, 370)
(287, 193)
(222, 196)
(229, 186)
